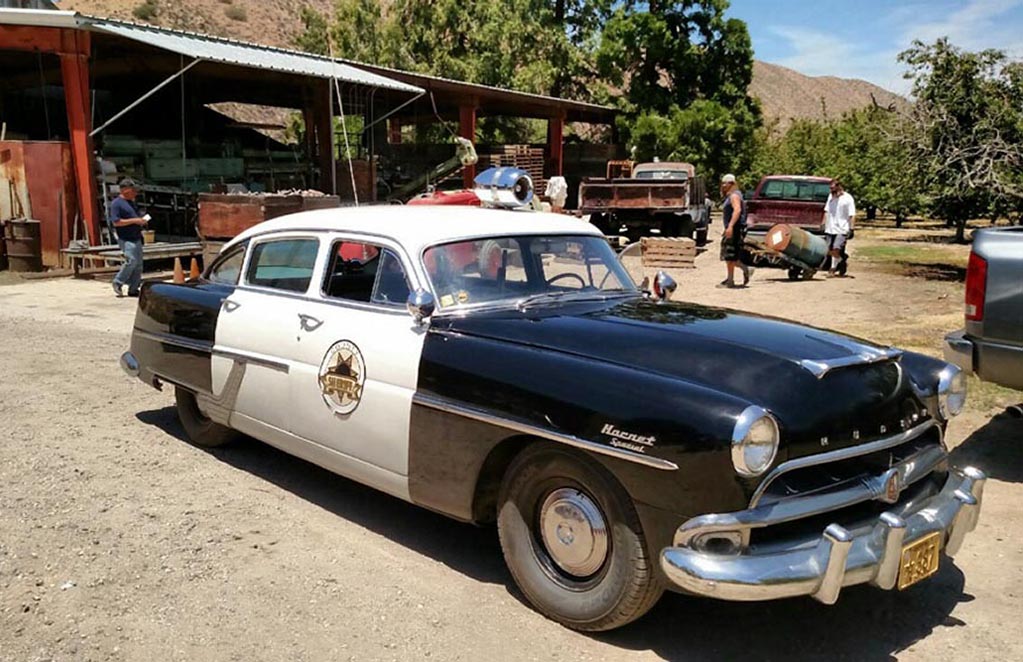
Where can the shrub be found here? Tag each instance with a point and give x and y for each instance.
(146, 11)
(236, 13)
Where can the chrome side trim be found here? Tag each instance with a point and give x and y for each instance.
(838, 455)
(204, 346)
(441, 404)
(821, 367)
(250, 357)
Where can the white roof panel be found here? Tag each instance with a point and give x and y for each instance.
(246, 55)
(418, 226)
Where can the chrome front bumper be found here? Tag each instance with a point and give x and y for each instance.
(838, 558)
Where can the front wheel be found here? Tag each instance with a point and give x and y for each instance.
(199, 428)
(573, 542)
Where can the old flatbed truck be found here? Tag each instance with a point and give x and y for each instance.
(659, 198)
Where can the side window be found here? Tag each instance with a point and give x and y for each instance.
(283, 264)
(228, 267)
(367, 273)
(772, 189)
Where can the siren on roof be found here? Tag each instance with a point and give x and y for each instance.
(507, 188)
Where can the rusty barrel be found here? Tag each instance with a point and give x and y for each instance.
(798, 244)
(24, 247)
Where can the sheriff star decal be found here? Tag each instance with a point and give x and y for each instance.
(342, 376)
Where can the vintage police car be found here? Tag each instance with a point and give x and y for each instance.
(498, 366)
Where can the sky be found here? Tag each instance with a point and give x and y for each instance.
(862, 38)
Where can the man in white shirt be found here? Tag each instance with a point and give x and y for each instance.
(838, 225)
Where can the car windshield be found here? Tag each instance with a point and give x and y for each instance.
(522, 270)
(662, 174)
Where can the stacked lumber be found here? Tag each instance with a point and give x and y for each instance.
(668, 252)
(523, 157)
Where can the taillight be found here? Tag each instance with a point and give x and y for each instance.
(976, 288)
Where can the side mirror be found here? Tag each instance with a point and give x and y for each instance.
(420, 305)
(664, 286)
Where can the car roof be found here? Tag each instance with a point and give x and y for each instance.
(802, 178)
(418, 226)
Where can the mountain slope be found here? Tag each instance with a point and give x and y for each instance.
(784, 94)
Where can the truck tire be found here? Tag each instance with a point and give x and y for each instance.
(603, 223)
(199, 428)
(573, 542)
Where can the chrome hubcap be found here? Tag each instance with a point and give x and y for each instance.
(574, 532)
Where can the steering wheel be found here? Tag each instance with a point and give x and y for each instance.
(567, 274)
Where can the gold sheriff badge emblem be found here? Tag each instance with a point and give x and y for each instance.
(342, 376)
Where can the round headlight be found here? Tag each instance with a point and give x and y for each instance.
(754, 441)
(951, 391)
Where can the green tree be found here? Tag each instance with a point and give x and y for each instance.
(962, 135)
(685, 69)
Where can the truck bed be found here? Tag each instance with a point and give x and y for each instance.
(603, 195)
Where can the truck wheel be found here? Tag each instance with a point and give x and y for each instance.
(573, 542)
(795, 273)
(602, 222)
(199, 428)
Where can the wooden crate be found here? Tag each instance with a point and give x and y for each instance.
(668, 252)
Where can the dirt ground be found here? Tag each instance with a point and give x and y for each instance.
(121, 541)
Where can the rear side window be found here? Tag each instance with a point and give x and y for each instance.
(228, 267)
(283, 264)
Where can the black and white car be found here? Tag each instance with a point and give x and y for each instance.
(502, 367)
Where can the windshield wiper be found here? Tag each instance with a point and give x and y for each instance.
(597, 295)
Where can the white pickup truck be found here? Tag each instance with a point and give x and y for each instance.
(991, 344)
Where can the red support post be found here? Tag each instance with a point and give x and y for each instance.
(555, 146)
(467, 129)
(324, 120)
(74, 67)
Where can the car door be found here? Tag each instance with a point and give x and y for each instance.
(356, 366)
(257, 324)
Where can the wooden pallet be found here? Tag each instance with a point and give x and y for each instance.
(668, 253)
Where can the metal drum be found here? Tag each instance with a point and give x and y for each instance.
(797, 244)
(24, 248)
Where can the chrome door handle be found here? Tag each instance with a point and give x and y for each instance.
(308, 322)
(231, 306)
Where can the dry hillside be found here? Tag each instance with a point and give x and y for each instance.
(785, 94)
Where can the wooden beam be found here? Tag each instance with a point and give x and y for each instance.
(467, 129)
(555, 146)
(324, 134)
(75, 74)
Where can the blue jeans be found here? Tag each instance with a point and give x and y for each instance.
(131, 271)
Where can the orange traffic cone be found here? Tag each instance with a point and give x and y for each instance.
(179, 272)
(193, 270)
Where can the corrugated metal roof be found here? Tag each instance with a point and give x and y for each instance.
(206, 47)
(247, 55)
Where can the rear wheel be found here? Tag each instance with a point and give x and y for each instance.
(573, 542)
(199, 428)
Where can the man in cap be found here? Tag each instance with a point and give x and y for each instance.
(734, 211)
(128, 223)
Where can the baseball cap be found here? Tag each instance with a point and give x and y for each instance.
(728, 179)
(127, 183)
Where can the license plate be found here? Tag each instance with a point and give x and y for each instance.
(920, 560)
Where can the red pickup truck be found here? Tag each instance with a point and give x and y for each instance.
(791, 199)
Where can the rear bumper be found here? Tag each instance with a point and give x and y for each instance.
(992, 362)
(839, 557)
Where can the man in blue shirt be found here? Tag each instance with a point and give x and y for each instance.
(127, 222)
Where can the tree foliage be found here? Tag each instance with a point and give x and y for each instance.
(963, 135)
(685, 69)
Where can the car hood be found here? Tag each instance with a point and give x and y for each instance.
(765, 361)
